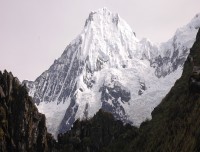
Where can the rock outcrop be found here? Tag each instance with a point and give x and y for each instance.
(22, 127)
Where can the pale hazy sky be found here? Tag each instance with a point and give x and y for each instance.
(33, 33)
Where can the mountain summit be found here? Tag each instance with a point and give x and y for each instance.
(106, 41)
(107, 67)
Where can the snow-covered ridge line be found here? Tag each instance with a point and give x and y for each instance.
(107, 67)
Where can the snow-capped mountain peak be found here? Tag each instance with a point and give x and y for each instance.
(108, 39)
(107, 67)
(104, 17)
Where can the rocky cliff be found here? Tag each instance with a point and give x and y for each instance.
(22, 127)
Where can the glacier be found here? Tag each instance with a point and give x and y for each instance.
(108, 67)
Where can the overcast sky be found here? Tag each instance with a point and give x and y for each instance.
(33, 33)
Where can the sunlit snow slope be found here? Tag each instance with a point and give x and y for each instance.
(107, 67)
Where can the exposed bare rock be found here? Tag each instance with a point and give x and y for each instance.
(22, 127)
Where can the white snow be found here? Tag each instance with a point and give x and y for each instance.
(54, 114)
(140, 107)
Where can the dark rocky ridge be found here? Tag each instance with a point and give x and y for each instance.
(22, 127)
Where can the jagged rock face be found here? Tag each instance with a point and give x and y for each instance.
(107, 67)
(22, 127)
(112, 99)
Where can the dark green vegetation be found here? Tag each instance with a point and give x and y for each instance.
(96, 134)
(175, 124)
